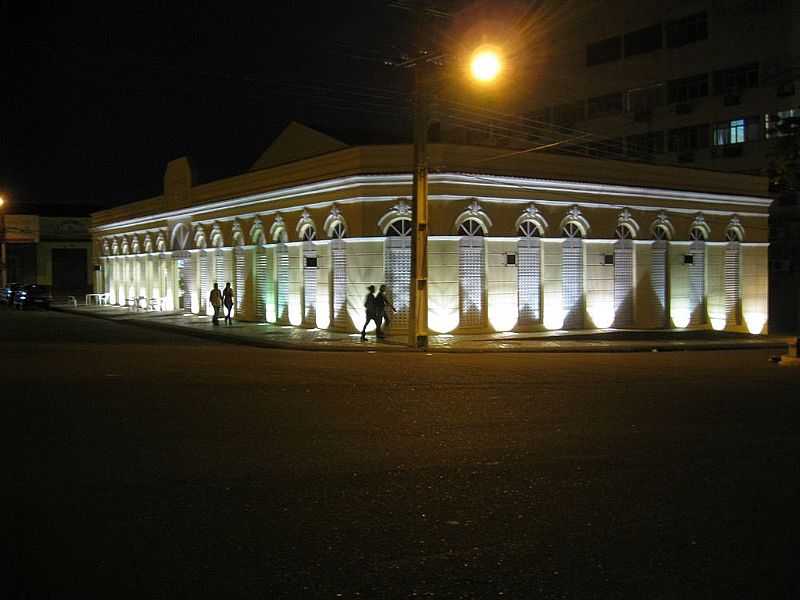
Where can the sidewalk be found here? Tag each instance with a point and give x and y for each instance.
(286, 337)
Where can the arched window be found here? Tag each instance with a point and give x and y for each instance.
(471, 227)
(338, 231)
(661, 233)
(529, 229)
(399, 228)
(572, 230)
(696, 234)
(733, 235)
(624, 232)
(309, 233)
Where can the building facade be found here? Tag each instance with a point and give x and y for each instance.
(544, 242)
(48, 250)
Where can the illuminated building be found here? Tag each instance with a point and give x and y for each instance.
(522, 242)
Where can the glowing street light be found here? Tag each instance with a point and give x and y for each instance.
(486, 64)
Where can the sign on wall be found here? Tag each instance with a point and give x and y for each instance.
(21, 229)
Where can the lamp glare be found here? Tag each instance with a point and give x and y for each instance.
(485, 65)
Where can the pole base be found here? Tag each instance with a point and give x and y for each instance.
(422, 342)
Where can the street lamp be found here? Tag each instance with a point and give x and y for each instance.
(485, 66)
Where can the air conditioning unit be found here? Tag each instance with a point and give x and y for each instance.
(511, 259)
(608, 259)
(731, 100)
(688, 259)
(732, 150)
(686, 157)
(683, 108)
(785, 89)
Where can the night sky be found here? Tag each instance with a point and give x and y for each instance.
(98, 97)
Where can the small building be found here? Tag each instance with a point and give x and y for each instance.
(517, 241)
(49, 249)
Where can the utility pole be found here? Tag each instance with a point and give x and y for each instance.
(418, 290)
(418, 317)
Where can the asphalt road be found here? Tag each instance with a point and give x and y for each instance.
(150, 465)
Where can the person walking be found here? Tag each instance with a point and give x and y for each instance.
(382, 306)
(227, 302)
(372, 315)
(215, 298)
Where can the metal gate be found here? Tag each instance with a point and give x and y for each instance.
(283, 284)
(623, 284)
(186, 281)
(241, 278)
(470, 281)
(339, 284)
(697, 283)
(205, 287)
(310, 274)
(572, 283)
(529, 281)
(220, 275)
(658, 280)
(397, 266)
(263, 275)
(732, 285)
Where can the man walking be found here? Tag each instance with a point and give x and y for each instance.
(382, 306)
(372, 315)
(215, 298)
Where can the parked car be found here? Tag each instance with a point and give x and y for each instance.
(8, 293)
(33, 295)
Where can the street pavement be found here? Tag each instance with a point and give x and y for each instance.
(144, 463)
(274, 336)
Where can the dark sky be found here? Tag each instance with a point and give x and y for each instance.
(98, 97)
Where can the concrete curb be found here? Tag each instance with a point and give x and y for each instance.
(531, 346)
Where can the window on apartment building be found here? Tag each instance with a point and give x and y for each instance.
(688, 138)
(604, 51)
(736, 131)
(690, 29)
(644, 99)
(688, 88)
(727, 81)
(567, 114)
(605, 105)
(782, 123)
(643, 40)
(646, 144)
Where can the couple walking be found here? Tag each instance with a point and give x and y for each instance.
(218, 299)
(377, 310)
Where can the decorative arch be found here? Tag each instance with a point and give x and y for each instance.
(335, 225)
(216, 237)
(574, 224)
(161, 241)
(661, 228)
(237, 235)
(200, 236)
(277, 230)
(399, 212)
(147, 242)
(476, 214)
(306, 228)
(257, 235)
(734, 232)
(179, 240)
(531, 223)
(699, 230)
(627, 227)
